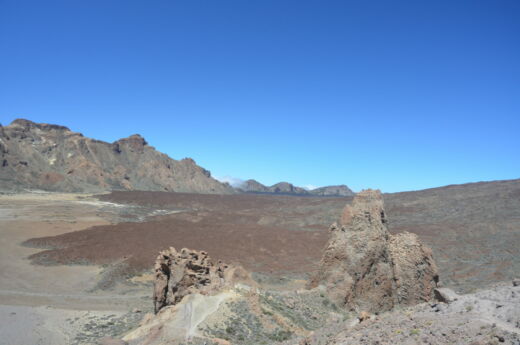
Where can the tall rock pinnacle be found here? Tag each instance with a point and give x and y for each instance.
(364, 267)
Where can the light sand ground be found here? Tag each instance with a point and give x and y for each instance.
(39, 303)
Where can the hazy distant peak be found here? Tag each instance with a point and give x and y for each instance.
(253, 186)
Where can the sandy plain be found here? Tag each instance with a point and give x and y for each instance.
(55, 304)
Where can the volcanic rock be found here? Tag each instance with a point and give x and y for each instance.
(365, 268)
(178, 274)
(54, 158)
(415, 271)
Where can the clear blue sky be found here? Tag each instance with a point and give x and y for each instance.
(396, 95)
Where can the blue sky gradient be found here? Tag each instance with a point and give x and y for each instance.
(396, 95)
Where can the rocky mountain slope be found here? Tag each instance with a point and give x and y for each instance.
(54, 158)
(253, 186)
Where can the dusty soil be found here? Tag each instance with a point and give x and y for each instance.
(474, 231)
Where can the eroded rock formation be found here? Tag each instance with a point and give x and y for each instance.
(180, 273)
(364, 267)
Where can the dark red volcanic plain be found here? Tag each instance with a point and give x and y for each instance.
(264, 233)
(473, 229)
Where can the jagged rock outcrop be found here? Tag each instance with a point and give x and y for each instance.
(365, 268)
(180, 273)
(54, 158)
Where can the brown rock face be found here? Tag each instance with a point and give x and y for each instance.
(366, 268)
(178, 274)
(415, 271)
(54, 158)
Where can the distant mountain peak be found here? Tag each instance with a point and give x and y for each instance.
(253, 186)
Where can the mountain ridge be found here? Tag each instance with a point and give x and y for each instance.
(54, 158)
(286, 188)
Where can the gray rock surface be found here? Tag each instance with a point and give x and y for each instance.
(54, 158)
(490, 316)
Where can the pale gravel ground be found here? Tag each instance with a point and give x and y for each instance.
(487, 317)
(43, 325)
(55, 304)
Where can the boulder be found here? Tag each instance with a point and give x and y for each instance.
(445, 295)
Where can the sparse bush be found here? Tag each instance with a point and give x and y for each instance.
(415, 331)
(325, 302)
(281, 335)
(266, 312)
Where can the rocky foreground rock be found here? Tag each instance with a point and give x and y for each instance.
(365, 268)
(54, 158)
(184, 272)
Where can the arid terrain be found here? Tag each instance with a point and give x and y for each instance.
(260, 172)
(77, 267)
(474, 230)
